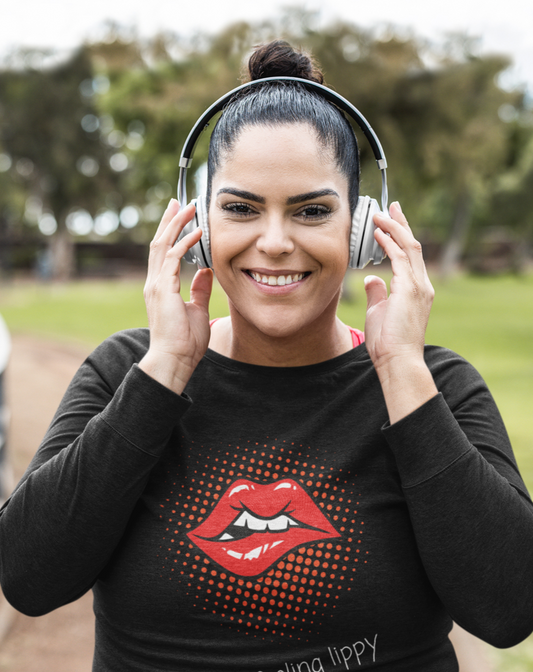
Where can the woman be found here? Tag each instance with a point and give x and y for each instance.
(290, 498)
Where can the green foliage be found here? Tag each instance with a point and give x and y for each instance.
(41, 113)
(439, 124)
(168, 96)
(457, 143)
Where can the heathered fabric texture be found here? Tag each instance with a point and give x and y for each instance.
(271, 520)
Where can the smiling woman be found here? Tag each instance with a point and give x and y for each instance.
(280, 245)
(276, 490)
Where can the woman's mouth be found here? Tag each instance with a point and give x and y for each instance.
(253, 525)
(277, 280)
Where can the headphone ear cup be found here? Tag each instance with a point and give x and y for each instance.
(200, 253)
(363, 245)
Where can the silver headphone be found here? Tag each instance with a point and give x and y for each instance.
(363, 246)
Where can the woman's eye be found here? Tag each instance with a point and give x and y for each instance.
(314, 212)
(239, 209)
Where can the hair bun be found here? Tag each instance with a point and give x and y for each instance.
(280, 59)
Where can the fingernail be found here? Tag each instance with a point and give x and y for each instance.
(397, 204)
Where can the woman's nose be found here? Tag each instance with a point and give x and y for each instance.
(275, 239)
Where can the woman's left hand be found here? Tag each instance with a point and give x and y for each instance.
(396, 323)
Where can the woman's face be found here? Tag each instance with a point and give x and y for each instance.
(279, 221)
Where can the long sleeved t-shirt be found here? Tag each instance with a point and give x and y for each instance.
(270, 519)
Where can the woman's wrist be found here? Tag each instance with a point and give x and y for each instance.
(167, 369)
(407, 384)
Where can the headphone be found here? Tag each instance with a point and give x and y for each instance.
(363, 246)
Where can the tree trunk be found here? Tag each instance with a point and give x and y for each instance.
(62, 255)
(454, 247)
(5, 249)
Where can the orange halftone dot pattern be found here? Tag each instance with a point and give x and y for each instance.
(298, 592)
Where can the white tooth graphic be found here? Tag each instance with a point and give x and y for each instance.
(279, 523)
(246, 520)
(234, 554)
(226, 537)
(281, 280)
(252, 555)
(255, 524)
(240, 520)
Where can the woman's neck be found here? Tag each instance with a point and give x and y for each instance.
(237, 339)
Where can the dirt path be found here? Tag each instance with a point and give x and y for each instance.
(63, 641)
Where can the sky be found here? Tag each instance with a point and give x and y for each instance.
(504, 26)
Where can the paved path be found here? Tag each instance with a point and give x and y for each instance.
(63, 641)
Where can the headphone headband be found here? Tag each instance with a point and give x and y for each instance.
(328, 94)
(363, 246)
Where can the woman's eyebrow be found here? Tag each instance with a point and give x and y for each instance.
(241, 194)
(300, 198)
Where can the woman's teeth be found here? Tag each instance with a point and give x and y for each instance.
(278, 280)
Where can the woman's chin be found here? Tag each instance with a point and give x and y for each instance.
(277, 324)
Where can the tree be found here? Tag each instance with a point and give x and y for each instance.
(434, 107)
(439, 125)
(165, 94)
(50, 130)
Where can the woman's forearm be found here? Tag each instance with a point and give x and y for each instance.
(66, 517)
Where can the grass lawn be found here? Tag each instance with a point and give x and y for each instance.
(487, 320)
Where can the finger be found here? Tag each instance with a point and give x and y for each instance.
(376, 291)
(160, 246)
(171, 210)
(400, 244)
(170, 269)
(201, 287)
(396, 213)
(407, 265)
(179, 250)
(399, 231)
(178, 222)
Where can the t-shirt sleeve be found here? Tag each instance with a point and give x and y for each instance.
(470, 510)
(68, 513)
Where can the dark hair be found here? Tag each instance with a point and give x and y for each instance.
(278, 103)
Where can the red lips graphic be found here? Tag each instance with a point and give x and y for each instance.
(253, 525)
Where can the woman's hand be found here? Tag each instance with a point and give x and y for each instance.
(179, 331)
(396, 324)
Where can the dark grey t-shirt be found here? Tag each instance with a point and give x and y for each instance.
(271, 520)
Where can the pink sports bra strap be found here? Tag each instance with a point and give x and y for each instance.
(358, 337)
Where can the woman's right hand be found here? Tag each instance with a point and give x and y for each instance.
(179, 331)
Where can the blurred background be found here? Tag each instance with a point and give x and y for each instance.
(96, 100)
